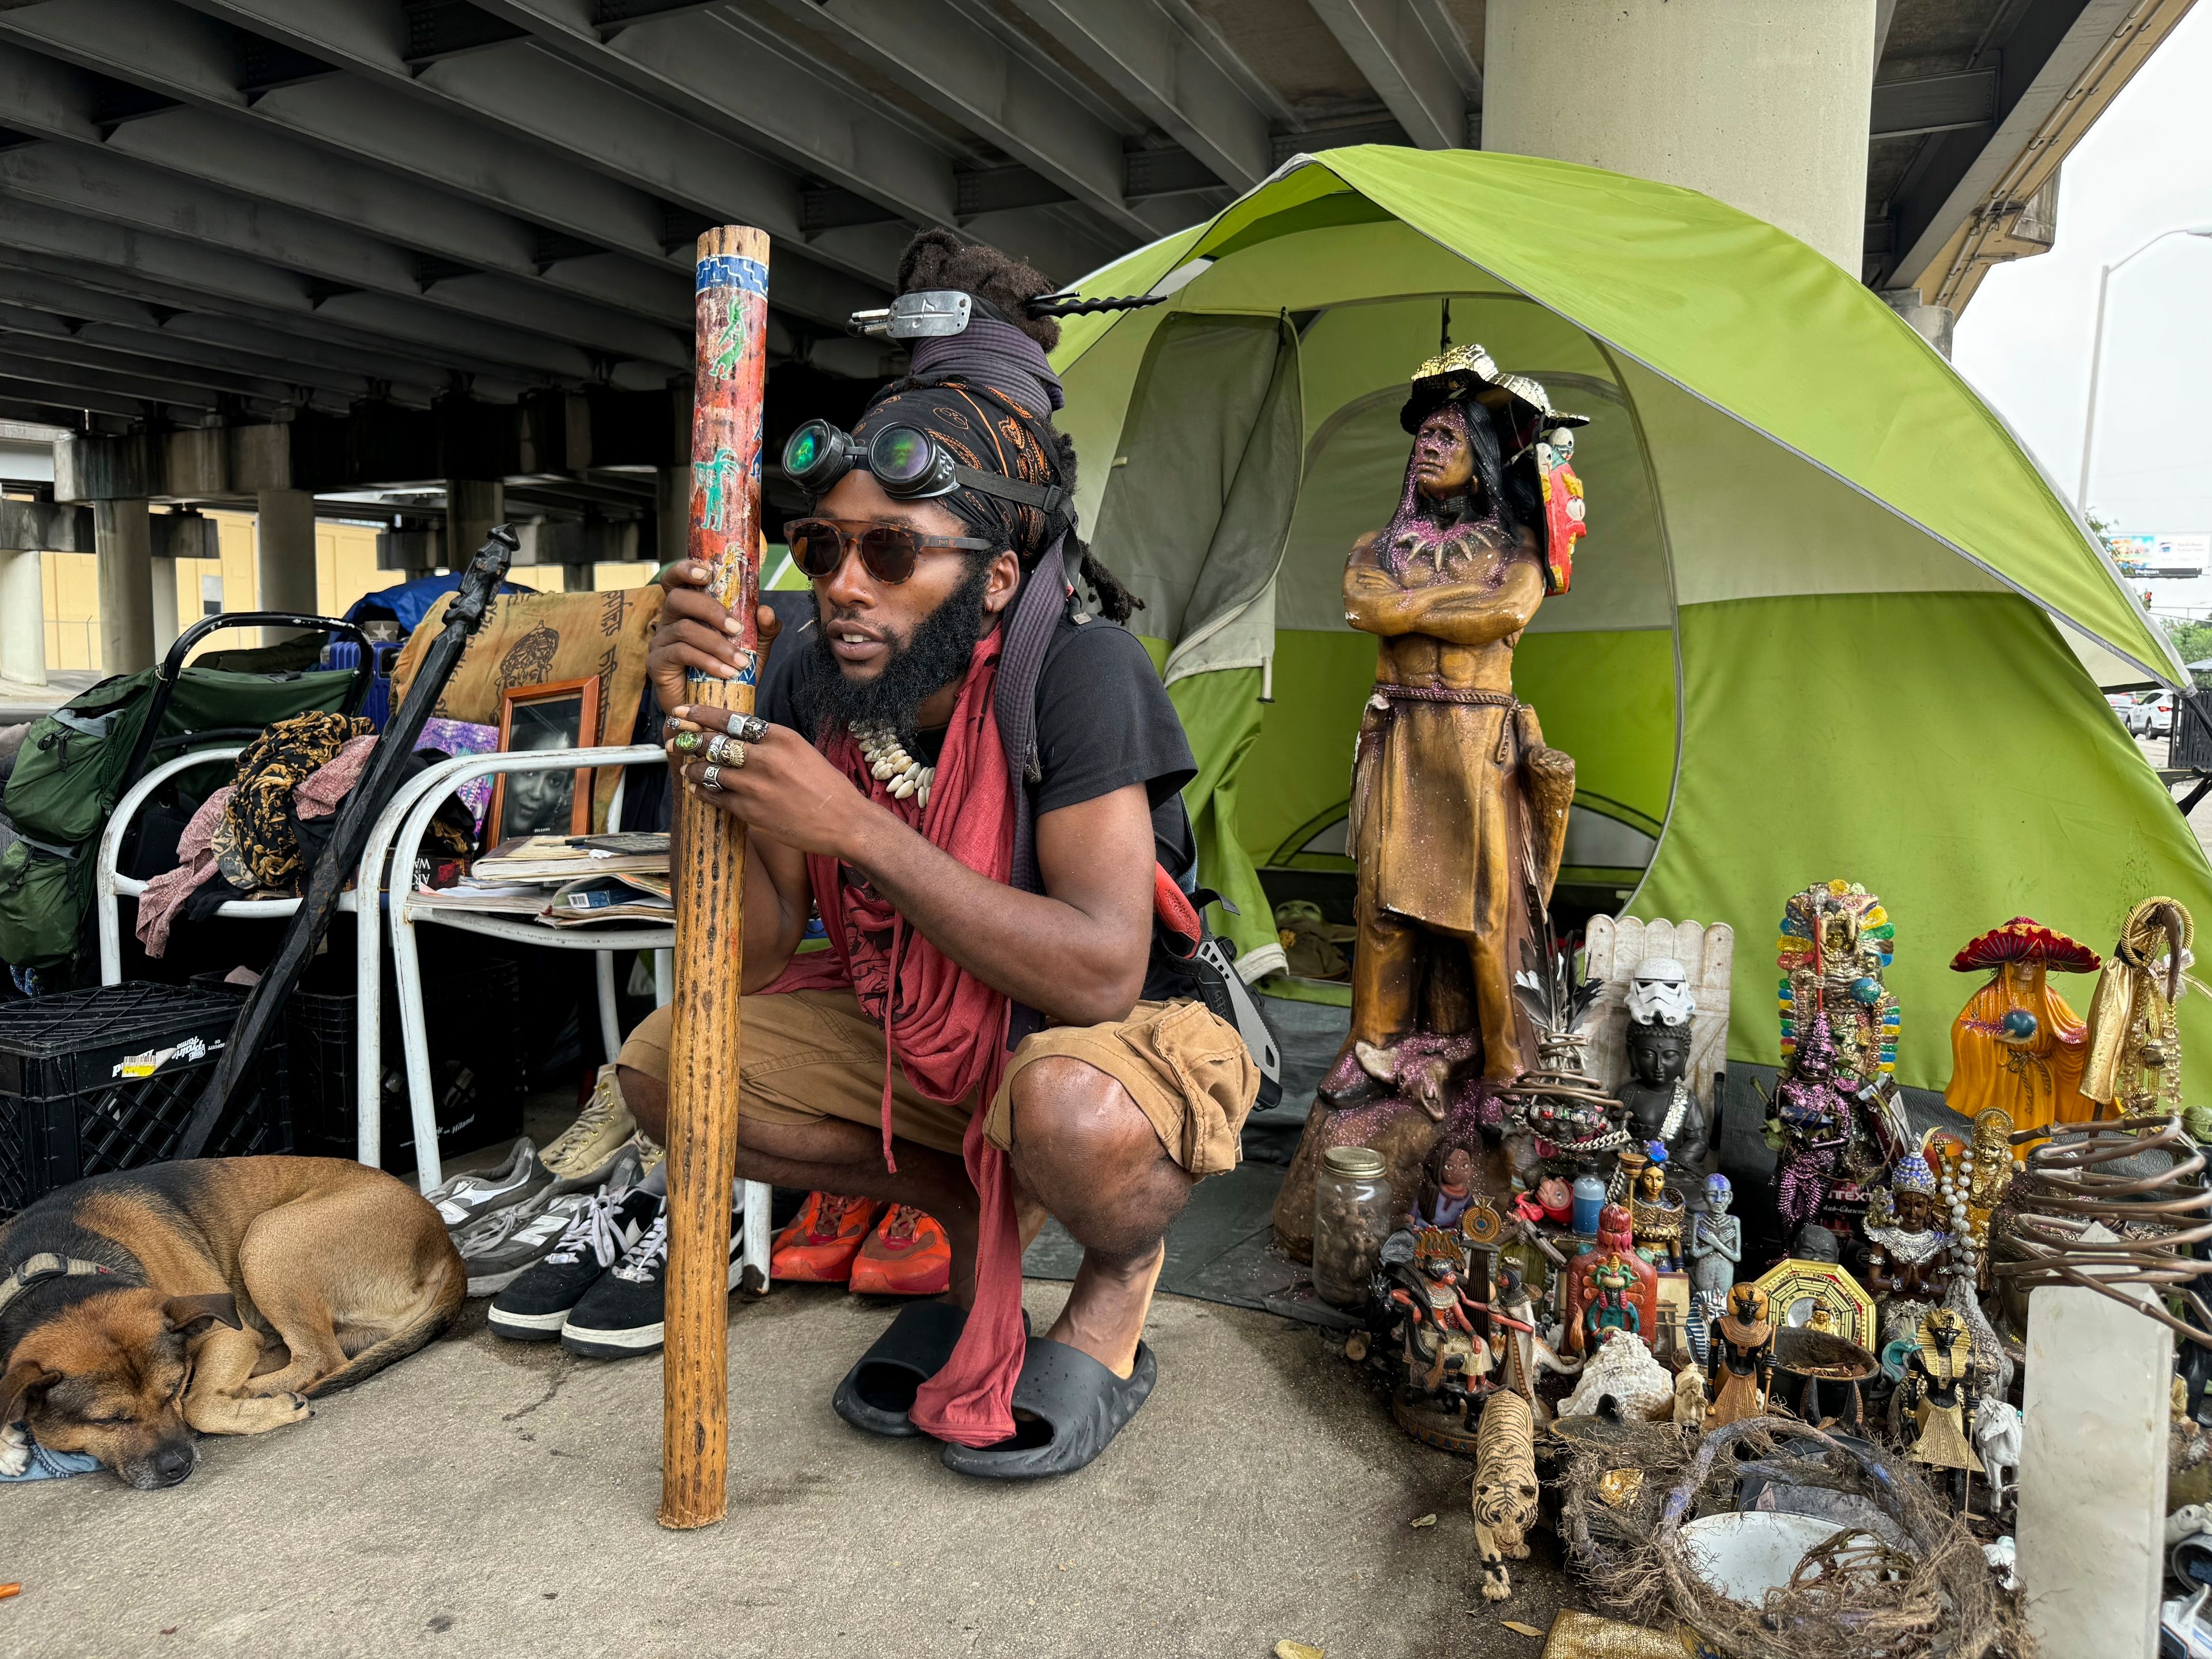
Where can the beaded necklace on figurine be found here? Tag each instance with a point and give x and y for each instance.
(1676, 1110)
(900, 774)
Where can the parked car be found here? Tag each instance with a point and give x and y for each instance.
(2152, 715)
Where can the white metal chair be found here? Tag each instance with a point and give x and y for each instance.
(110, 886)
(412, 816)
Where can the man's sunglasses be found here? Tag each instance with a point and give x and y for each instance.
(888, 552)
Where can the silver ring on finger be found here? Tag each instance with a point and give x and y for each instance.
(747, 728)
(720, 748)
(710, 777)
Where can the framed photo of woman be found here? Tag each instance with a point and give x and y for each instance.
(562, 715)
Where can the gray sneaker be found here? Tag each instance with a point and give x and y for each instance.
(469, 1198)
(506, 1245)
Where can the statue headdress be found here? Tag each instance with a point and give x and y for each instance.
(2022, 940)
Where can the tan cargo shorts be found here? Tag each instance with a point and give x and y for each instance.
(812, 1055)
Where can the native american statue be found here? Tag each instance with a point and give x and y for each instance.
(1458, 813)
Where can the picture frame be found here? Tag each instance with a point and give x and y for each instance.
(557, 714)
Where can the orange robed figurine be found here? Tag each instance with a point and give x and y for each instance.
(2016, 1045)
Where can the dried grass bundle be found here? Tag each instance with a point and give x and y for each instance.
(1858, 1599)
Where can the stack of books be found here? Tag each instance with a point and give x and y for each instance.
(567, 881)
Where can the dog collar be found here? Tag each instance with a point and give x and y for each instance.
(40, 1267)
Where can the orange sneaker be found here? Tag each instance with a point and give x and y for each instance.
(908, 1255)
(818, 1247)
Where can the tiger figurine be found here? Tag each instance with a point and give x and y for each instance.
(1505, 1489)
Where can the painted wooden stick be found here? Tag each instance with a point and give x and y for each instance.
(710, 873)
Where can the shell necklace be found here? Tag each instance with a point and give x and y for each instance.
(900, 774)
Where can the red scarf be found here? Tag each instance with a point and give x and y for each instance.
(944, 1027)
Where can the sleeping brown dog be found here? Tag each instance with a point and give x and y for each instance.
(219, 1296)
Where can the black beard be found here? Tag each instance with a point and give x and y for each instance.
(935, 657)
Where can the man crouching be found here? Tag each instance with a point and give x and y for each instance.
(973, 783)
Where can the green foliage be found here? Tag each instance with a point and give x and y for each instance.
(2193, 640)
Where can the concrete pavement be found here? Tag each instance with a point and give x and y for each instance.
(488, 1497)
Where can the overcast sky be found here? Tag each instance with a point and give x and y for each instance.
(2145, 166)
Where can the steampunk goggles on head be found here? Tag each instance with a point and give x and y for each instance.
(908, 462)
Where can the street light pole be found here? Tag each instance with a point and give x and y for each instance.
(2097, 353)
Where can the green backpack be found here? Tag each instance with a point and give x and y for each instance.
(67, 778)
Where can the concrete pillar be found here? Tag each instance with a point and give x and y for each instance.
(472, 507)
(166, 606)
(579, 578)
(1764, 104)
(284, 557)
(2093, 1462)
(672, 511)
(22, 618)
(123, 541)
(1933, 323)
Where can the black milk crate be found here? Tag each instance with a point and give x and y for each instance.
(471, 1008)
(66, 1110)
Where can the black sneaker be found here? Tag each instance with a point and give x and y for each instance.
(535, 1306)
(623, 1313)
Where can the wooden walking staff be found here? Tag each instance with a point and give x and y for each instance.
(710, 873)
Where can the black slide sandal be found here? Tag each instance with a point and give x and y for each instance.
(1075, 1406)
(878, 1392)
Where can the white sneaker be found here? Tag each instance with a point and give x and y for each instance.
(468, 1198)
(586, 1146)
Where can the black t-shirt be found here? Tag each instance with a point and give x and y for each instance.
(1104, 721)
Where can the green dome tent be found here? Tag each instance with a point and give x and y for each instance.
(1830, 619)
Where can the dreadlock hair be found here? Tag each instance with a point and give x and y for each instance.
(944, 259)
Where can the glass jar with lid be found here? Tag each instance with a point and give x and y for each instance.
(1353, 1214)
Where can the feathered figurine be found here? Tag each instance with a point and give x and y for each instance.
(1557, 1101)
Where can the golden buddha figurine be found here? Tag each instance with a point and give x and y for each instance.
(2016, 1045)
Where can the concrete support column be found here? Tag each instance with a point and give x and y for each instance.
(22, 618)
(124, 540)
(472, 507)
(1933, 323)
(1764, 104)
(579, 578)
(672, 511)
(166, 605)
(284, 557)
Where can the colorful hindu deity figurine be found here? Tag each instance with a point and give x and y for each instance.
(1942, 1392)
(1661, 1105)
(1743, 1363)
(1837, 942)
(2016, 1045)
(2134, 1068)
(1909, 1257)
(1611, 1273)
(1810, 1128)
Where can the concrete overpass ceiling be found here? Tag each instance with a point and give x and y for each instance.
(238, 211)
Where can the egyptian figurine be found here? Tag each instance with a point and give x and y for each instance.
(2017, 1045)
(1452, 777)
(1661, 1105)
(1714, 1245)
(1941, 1391)
(1742, 1364)
(2134, 1066)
